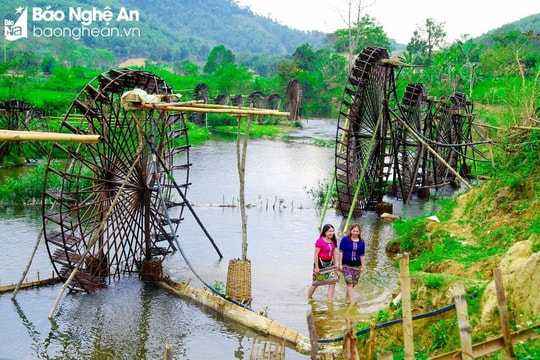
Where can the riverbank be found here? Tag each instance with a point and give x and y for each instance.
(495, 224)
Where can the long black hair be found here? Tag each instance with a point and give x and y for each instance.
(327, 227)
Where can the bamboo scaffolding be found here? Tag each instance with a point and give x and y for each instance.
(16, 135)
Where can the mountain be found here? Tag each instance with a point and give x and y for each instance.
(165, 31)
(527, 24)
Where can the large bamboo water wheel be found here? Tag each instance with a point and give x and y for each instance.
(108, 208)
(384, 145)
(362, 161)
(20, 115)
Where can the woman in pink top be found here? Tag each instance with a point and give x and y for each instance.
(324, 260)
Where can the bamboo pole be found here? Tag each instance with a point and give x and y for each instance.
(452, 170)
(525, 127)
(216, 106)
(463, 321)
(494, 345)
(225, 110)
(503, 313)
(16, 135)
(408, 336)
(36, 245)
(364, 171)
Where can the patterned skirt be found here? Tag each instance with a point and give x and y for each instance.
(351, 274)
(326, 276)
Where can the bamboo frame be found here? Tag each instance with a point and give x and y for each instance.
(213, 109)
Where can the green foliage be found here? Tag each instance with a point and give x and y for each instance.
(426, 40)
(367, 32)
(197, 135)
(435, 281)
(410, 234)
(24, 190)
(441, 333)
(161, 35)
(219, 286)
(219, 57)
(320, 192)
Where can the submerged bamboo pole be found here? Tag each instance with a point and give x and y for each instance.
(244, 316)
(16, 135)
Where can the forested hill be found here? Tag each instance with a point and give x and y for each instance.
(171, 30)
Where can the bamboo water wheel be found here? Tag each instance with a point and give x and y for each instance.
(16, 114)
(108, 208)
(387, 146)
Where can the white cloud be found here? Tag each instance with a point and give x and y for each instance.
(399, 18)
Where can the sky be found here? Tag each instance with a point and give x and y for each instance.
(399, 18)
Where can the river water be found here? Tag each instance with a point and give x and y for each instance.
(133, 320)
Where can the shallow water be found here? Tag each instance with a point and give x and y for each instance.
(133, 320)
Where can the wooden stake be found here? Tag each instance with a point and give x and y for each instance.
(312, 335)
(168, 352)
(371, 349)
(385, 355)
(408, 336)
(503, 313)
(463, 321)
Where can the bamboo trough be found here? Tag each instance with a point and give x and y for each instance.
(138, 99)
(16, 135)
(212, 109)
(246, 317)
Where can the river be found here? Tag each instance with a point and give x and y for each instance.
(134, 320)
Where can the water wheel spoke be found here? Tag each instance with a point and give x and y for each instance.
(108, 209)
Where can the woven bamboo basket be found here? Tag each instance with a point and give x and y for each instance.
(239, 280)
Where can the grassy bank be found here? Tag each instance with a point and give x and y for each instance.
(478, 231)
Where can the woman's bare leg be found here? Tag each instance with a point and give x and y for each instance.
(311, 290)
(350, 293)
(331, 291)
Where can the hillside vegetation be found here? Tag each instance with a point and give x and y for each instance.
(170, 31)
(494, 224)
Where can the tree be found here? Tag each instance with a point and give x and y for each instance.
(189, 68)
(231, 78)
(304, 56)
(219, 56)
(365, 33)
(426, 40)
